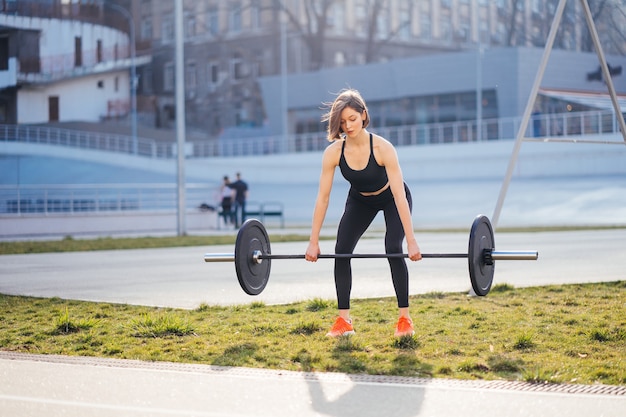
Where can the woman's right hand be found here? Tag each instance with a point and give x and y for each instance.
(312, 252)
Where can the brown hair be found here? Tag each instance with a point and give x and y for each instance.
(346, 98)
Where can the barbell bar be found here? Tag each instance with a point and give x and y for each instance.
(258, 256)
(252, 256)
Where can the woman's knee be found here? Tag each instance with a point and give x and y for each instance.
(393, 246)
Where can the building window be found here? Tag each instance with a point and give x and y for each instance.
(146, 28)
(237, 68)
(99, 51)
(360, 17)
(4, 53)
(191, 81)
(255, 16)
(425, 27)
(190, 26)
(235, 17)
(78, 51)
(446, 29)
(382, 23)
(213, 73)
(340, 59)
(167, 29)
(212, 20)
(146, 80)
(485, 33)
(404, 28)
(336, 18)
(168, 77)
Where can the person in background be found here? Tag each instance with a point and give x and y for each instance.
(227, 201)
(370, 164)
(241, 195)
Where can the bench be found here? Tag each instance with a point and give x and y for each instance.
(264, 209)
(259, 210)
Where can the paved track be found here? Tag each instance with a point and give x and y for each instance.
(179, 277)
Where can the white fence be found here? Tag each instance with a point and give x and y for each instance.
(46, 199)
(547, 125)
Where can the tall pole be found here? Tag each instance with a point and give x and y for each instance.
(133, 73)
(180, 117)
(529, 106)
(479, 92)
(283, 80)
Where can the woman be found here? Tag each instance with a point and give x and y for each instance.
(226, 193)
(370, 164)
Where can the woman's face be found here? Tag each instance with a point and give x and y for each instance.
(352, 121)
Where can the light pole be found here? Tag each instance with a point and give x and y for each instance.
(283, 81)
(133, 73)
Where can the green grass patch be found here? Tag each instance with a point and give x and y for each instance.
(553, 334)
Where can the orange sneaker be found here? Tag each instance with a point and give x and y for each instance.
(342, 327)
(404, 327)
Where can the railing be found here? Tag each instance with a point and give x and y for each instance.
(48, 199)
(100, 141)
(546, 125)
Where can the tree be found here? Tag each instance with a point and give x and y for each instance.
(312, 28)
(375, 42)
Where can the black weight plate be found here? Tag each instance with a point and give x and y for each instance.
(252, 276)
(481, 238)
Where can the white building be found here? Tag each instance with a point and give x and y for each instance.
(62, 68)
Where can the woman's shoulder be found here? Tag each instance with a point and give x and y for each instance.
(384, 148)
(335, 146)
(333, 150)
(380, 140)
(382, 143)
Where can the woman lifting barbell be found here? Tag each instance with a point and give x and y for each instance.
(370, 164)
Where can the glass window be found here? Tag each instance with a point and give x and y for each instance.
(404, 29)
(168, 77)
(191, 81)
(190, 26)
(146, 28)
(167, 28)
(212, 20)
(213, 72)
(425, 27)
(235, 17)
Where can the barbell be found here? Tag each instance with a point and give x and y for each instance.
(253, 256)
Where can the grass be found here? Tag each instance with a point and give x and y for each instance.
(553, 334)
(69, 244)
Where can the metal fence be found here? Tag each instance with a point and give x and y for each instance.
(48, 199)
(540, 126)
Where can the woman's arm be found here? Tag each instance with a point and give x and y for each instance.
(329, 163)
(389, 158)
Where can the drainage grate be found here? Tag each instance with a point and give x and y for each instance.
(597, 389)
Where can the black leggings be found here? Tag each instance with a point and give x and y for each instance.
(357, 216)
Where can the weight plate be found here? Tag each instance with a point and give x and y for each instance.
(252, 275)
(481, 239)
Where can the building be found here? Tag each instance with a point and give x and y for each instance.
(448, 88)
(64, 61)
(231, 45)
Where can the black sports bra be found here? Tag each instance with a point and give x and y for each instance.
(370, 179)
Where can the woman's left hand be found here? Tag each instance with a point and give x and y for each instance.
(414, 251)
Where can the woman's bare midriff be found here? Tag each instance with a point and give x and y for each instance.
(375, 192)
